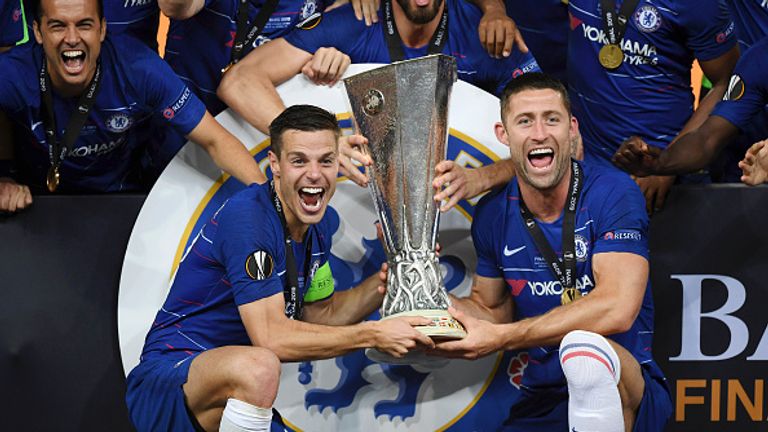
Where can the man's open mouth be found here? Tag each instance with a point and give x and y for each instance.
(74, 60)
(311, 198)
(541, 157)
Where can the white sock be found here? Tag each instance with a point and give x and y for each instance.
(592, 369)
(240, 416)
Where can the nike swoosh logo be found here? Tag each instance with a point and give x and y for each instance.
(508, 252)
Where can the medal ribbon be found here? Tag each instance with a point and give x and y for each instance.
(394, 42)
(615, 25)
(243, 39)
(565, 272)
(57, 150)
(291, 289)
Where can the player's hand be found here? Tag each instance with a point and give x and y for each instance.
(481, 339)
(498, 33)
(754, 166)
(383, 272)
(326, 66)
(655, 190)
(454, 183)
(367, 10)
(351, 150)
(13, 196)
(396, 336)
(636, 157)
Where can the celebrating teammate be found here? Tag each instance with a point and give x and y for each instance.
(255, 288)
(563, 259)
(437, 26)
(88, 108)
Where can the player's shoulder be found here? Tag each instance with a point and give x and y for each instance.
(343, 15)
(20, 67)
(492, 206)
(250, 207)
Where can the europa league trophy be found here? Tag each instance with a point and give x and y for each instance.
(402, 109)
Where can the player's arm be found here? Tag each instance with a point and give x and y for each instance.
(350, 306)
(249, 87)
(13, 196)
(226, 151)
(293, 340)
(611, 307)
(180, 9)
(497, 31)
(454, 182)
(489, 300)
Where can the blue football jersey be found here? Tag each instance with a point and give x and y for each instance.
(137, 18)
(136, 87)
(751, 18)
(544, 26)
(610, 217)
(12, 26)
(747, 94)
(198, 48)
(649, 95)
(367, 44)
(238, 257)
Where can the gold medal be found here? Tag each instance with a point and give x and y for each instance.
(53, 178)
(570, 295)
(610, 56)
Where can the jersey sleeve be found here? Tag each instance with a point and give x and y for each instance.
(250, 250)
(322, 286)
(518, 63)
(12, 85)
(708, 26)
(164, 93)
(485, 228)
(747, 92)
(623, 222)
(338, 28)
(12, 23)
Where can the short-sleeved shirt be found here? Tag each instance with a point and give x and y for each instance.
(367, 44)
(136, 87)
(747, 94)
(611, 217)
(544, 26)
(198, 48)
(137, 18)
(237, 258)
(12, 23)
(649, 95)
(751, 18)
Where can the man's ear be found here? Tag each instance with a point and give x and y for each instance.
(274, 164)
(501, 133)
(36, 31)
(103, 29)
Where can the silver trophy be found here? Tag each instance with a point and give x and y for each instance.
(402, 109)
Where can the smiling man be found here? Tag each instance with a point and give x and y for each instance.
(88, 107)
(256, 288)
(563, 259)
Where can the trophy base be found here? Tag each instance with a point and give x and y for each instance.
(443, 327)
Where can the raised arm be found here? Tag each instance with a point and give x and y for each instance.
(226, 151)
(249, 87)
(350, 306)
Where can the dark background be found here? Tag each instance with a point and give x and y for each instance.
(60, 263)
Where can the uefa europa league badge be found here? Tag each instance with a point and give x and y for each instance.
(373, 102)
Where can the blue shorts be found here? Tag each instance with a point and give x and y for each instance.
(155, 396)
(547, 411)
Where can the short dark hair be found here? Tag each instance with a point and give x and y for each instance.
(534, 81)
(37, 9)
(307, 118)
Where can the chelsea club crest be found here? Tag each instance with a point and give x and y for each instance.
(118, 122)
(647, 19)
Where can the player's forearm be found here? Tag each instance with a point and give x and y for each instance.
(252, 95)
(496, 174)
(298, 340)
(233, 158)
(350, 306)
(180, 9)
(503, 313)
(590, 313)
(490, 5)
